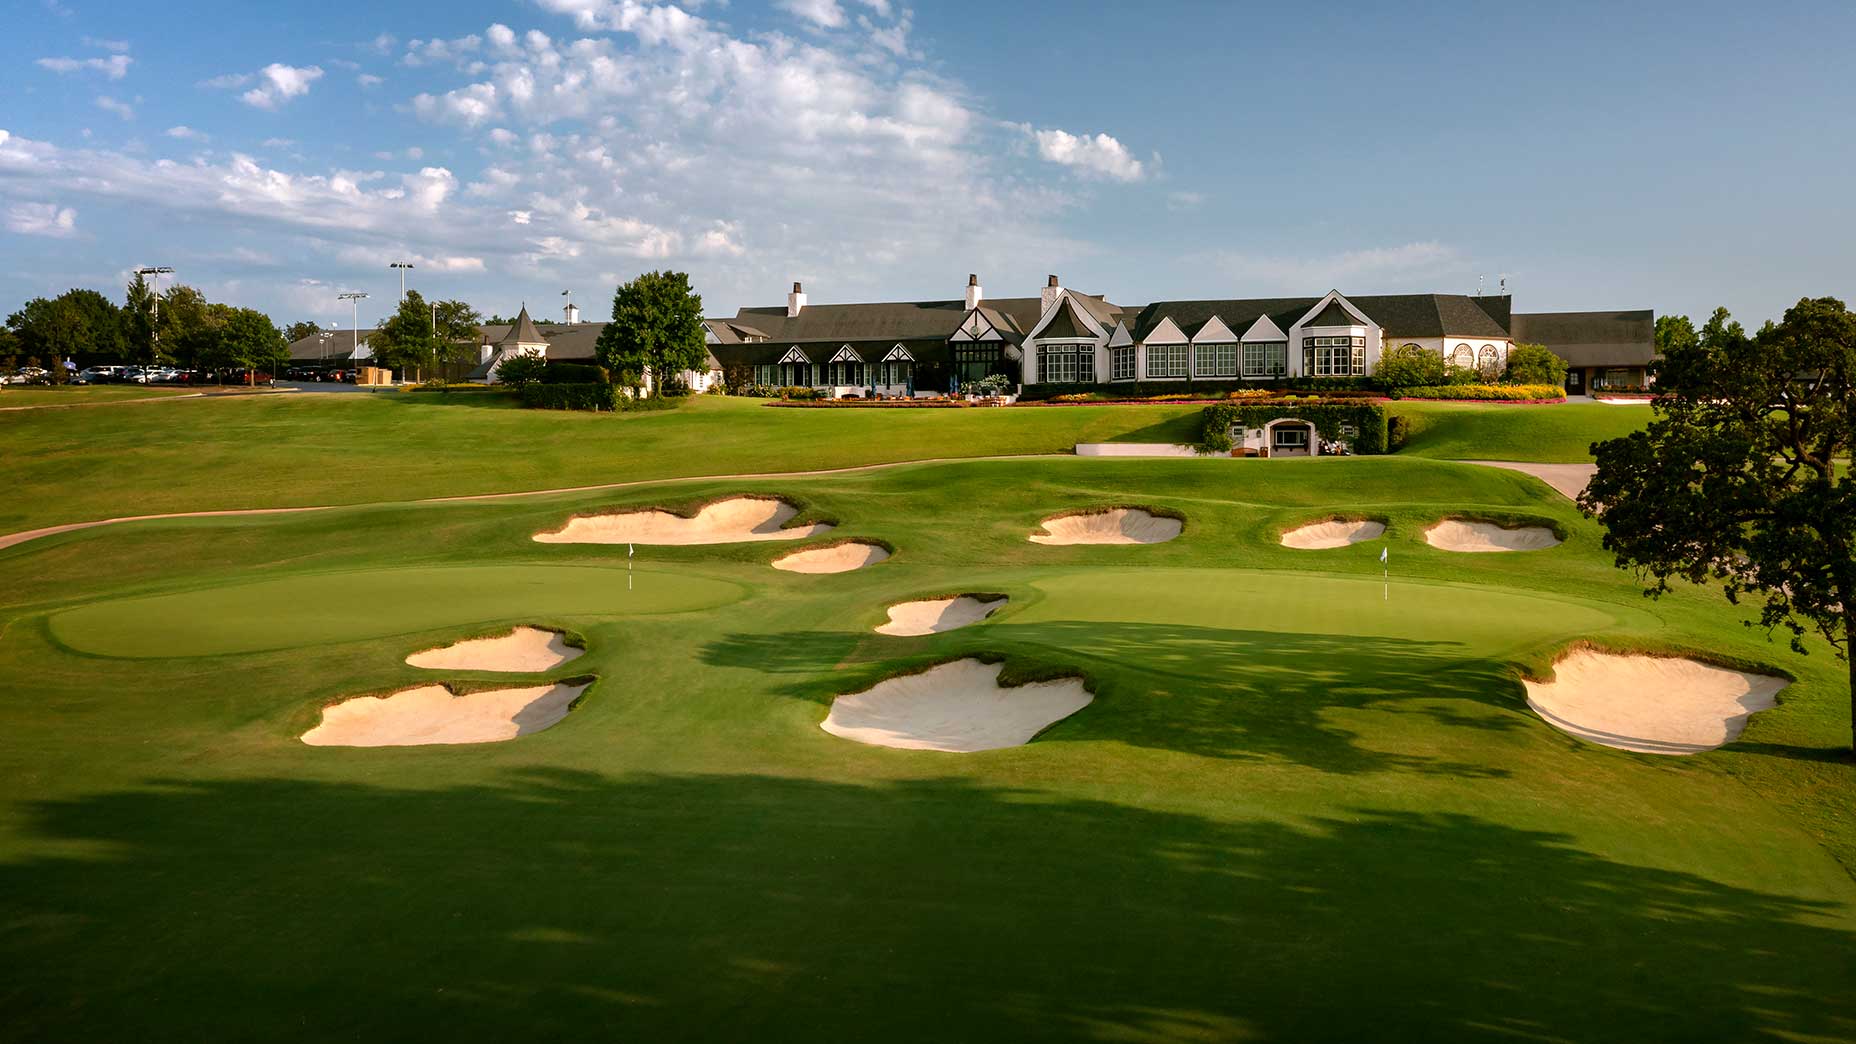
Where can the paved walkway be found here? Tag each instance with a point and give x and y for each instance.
(1570, 479)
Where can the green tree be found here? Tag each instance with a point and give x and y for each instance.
(49, 330)
(1535, 364)
(459, 326)
(101, 321)
(249, 339)
(1743, 477)
(406, 342)
(186, 325)
(1674, 333)
(302, 328)
(138, 321)
(656, 330)
(520, 371)
(1410, 366)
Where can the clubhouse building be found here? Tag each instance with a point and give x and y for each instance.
(1067, 340)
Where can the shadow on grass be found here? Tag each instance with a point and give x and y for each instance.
(555, 904)
(1201, 690)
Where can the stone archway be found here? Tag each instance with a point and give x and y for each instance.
(1292, 437)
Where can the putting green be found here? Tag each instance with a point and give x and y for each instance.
(342, 607)
(1466, 618)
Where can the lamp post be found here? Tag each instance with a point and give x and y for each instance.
(155, 330)
(402, 266)
(354, 297)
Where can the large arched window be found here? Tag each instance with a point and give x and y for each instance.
(1464, 357)
(1491, 367)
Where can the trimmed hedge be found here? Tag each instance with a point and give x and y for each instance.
(586, 396)
(1486, 392)
(1368, 417)
(573, 373)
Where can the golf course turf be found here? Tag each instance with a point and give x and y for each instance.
(1306, 801)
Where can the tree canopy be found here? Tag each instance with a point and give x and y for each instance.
(300, 329)
(1743, 477)
(1410, 366)
(656, 330)
(1535, 364)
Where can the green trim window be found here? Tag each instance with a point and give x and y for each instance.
(1121, 363)
(1214, 360)
(891, 374)
(1166, 360)
(1266, 358)
(847, 373)
(1067, 363)
(1334, 356)
(766, 374)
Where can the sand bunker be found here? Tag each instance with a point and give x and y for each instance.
(1116, 526)
(525, 650)
(838, 558)
(958, 707)
(934, 615)
(432, 714)
(1654, 705)
(1456, 534)
(1333, 532)
(731, 521)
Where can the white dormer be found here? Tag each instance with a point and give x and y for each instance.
(1264, 329)
(1168, 332)
(1214, 332)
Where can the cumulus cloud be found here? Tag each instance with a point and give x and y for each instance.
(115, 66)
(42, 219)
(184, 133)
(278, 83)
(1098, 156)
(823, 13)
(117, 106)
(369, 80)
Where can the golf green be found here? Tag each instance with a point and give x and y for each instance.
(319, 608)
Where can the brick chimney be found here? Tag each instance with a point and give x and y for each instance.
(974, 294)
(1052, 291)
(795, 301)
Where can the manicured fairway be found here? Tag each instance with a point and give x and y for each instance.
(343, 607)
(1300, 806)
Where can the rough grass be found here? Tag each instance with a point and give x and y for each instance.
(1560, 433)
(1301, 806)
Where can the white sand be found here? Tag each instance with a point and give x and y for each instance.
(731, 521)
(525, 650)
(1456, 534)
(1333, 532)
(932, 616)
(432, 714)
(838, 558)
(1116, 526)
(1570, 479)
(1654, 705)
(957, 707)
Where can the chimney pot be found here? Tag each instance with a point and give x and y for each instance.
(973, 279)
(797, 289)
(1053, 282)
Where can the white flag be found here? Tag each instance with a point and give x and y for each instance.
(630, 550)
(1382, 553)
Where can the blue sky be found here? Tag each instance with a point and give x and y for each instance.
(1674, 156)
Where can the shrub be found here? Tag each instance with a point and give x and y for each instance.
(1398, 432)
(1489, 392)
(1410, 366)
(991, 384)
(1535, 364)
(573, 373)
(520, 371)
(798, 393)
(1367, 418)
(585, 396)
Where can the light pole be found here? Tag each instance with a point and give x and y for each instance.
(354, 297)
(155, 329)
(402, 266)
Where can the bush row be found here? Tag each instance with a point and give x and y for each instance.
(1486, 392)
(583, 396)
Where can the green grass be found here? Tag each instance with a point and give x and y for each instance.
(72, 395)
(1560, 433)
(1302, 806)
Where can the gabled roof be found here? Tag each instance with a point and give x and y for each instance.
(1335, 314)
(1624, 338)
(891, 320)
(523, 331)
(1400, 315)
(1065, 322)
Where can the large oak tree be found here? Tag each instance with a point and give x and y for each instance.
(656, 330)
(1743, 477)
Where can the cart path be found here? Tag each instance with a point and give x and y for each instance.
(1569, 479)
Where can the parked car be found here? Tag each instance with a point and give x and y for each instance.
(28, 375)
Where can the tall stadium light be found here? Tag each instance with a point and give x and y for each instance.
(402, 266)
(354, 297)
(155, 330)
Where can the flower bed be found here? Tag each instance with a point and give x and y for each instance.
(1486, 393)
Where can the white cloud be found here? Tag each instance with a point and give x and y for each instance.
(116, 66)
(1100, 155)
(1184, 200)
(42, 219)
(119, 46)
(278, 83)
(226, 81)
(823, 13)
(120, 108)
(184, 133)
(369, 80)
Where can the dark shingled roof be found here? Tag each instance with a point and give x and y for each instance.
(1066, 323)
(523, 332)
(924, 350)
(1400, 315)
(1626, 338)
(898, 320)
